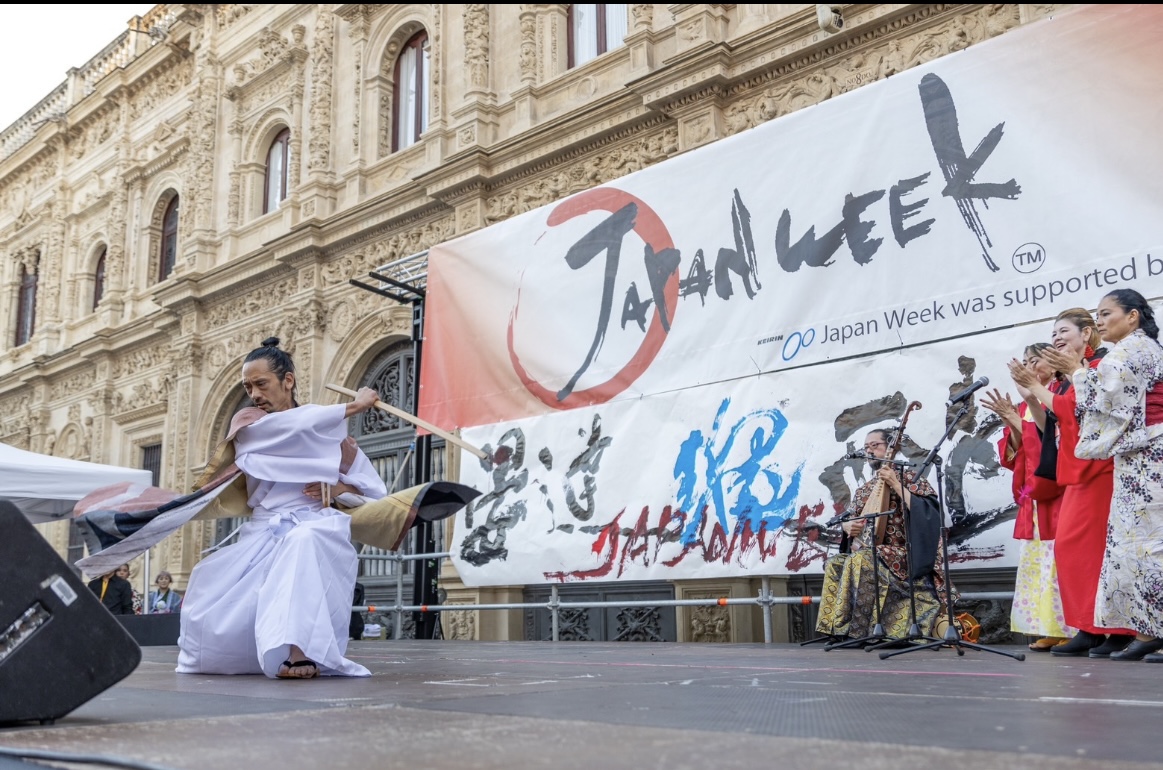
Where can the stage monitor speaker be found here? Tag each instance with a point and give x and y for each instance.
(59, 646)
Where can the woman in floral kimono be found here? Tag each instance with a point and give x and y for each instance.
(1120, 407)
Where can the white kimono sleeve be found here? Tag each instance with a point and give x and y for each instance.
(290, 446)
(361, 475)
(1111, 406)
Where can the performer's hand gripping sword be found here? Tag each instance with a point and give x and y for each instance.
(414, 420)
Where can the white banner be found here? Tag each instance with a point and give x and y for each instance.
(993, 187)
(731, 478)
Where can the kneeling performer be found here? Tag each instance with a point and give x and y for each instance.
(278, 602)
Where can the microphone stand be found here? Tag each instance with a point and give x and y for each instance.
(952, 637)
(828, 638)
(831, 638)
(914, 633)
(877, 634)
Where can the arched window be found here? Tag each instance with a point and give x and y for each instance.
(26, 306)
(278, 160)
(595, 29)
(99, 278)
(169, 240)
(410, 93)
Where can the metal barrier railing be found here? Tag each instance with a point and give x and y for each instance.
(765, 600)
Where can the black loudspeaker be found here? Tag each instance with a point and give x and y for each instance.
(59, 646)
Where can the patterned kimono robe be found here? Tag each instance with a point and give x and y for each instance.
(1120, 406)
(1037, 607)
(848, 601)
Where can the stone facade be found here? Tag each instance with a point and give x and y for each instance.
(187, 102)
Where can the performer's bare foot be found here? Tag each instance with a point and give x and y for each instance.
(297, 666)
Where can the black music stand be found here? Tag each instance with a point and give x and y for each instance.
(914, 633)
(951, 638)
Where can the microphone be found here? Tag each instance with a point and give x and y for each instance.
(859, 454)
(957, 398)
(839, 517)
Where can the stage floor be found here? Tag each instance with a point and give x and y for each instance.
(606, 705)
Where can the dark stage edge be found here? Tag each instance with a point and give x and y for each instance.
(539, 704)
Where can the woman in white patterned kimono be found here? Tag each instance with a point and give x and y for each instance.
(1120, 407)
(278, 602)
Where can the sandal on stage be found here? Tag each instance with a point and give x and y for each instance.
(1046, 643)
(288, 670)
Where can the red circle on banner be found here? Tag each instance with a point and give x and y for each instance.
(650, 229)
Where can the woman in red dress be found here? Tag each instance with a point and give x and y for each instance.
(1080, 536)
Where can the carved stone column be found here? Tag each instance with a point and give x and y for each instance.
(476, 49)
(436, 119)
(318, 196)
(476, 119)
(298, 56)
(100, 399)
(10, 296)
(116, 267)
(52, 262)
(553, 40)
(640, 40)
(234, 199)
(322, 54)
(358, 34)
(527, 50)
(196, 217)
(40, 415)
(529, 59)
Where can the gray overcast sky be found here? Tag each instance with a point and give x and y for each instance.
(39, 43)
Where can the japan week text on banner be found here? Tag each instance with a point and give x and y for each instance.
(668, 369)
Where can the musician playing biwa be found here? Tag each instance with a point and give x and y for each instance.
(847, 607)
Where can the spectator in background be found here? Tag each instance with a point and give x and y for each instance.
(114, 592)
(123, 573)
(164, 600)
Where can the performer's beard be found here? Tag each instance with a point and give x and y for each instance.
(874, 464)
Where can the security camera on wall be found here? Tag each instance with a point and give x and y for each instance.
(829, 18)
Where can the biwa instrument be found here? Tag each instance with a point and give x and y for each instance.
(878, 498)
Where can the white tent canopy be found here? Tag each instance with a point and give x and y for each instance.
(45, 488)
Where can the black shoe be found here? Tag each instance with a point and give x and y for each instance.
(1079, 646)
(1137, 650)
(1155, 657)
(1113, 643)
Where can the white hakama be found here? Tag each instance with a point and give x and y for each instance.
(290, 577)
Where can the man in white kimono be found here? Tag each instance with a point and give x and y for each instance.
(278, 601)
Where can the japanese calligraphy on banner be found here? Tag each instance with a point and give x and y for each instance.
(667, 370)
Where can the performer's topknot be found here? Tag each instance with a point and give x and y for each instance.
(270, 342)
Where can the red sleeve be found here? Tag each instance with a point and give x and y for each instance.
(1072, 470)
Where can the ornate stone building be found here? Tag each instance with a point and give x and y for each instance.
(218, 173)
